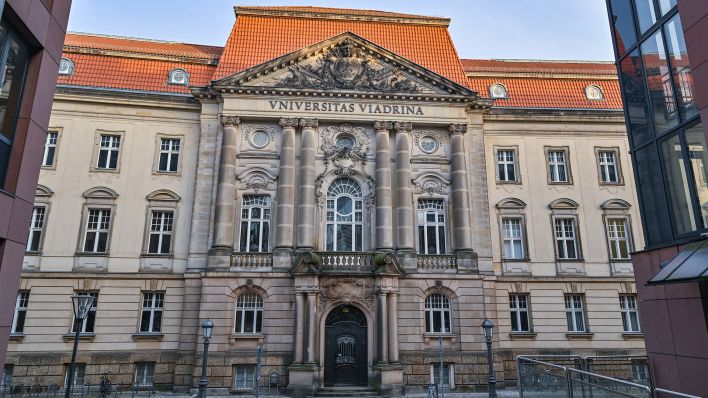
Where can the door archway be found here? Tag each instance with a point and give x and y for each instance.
(345, 361)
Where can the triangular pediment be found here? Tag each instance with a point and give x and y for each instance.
(344, 63)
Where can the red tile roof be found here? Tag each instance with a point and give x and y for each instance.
(257, 38)
(545, 84)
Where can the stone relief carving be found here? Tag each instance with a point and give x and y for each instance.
(347, 290)
(430, 184)
(250, 129)
(229, 120)
(347, 66)
(257, 179)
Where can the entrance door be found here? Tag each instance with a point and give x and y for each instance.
(345, 347)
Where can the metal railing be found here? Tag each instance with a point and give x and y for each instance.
(571, 376)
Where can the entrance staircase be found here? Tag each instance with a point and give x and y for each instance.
(347, 392)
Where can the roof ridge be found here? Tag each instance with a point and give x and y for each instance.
(119, 37)
(339, 13)
(547, 61)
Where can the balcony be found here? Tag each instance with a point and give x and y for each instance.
(243, 261)
(347, 261)
(437, 263)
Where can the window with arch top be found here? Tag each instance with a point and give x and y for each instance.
(431, 226)
(248, 317)
(345, 216)
(255, 223)
(437, 314)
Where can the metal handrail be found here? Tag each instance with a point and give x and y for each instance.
(642, 386)
(674, 393)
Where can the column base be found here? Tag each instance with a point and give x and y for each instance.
(390, 379)
(303, 380)
(219, 258)
(467, 261)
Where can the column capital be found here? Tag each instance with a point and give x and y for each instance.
(288, 122)
(458, 128)
(229, 120)
(403, 127)
(309, 122)
(381, 125)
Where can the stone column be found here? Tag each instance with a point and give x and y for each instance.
(393, 327)
(383, 328)
(226, 192)
(384, 216)
(404, 196)
(311, 325)
(286, 186)
(300, 326)
(460, 197)
(306, 192)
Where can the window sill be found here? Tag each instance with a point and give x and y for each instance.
(148, 336)
(17, 336)
(241, 391)
(516, 260)
(90, 254)
(522, 335)
(632, 335)
(245, 336)
(611, 184)
(102, 170)
(435, 336)
(579, 335)
(560, 183)
(501, 182)
(156, 255)
(82, 336)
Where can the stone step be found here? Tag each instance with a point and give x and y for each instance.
(346, 391)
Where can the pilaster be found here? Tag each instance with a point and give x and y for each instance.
(461, 232)
(306, 192)
(384, 213)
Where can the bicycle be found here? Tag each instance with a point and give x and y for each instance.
(105, 387)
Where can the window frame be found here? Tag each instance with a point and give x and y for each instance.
(522, 229)
(572, 326)
(515, 163)
(243, 307)
(156, 304)
(161, 200)
(607, 218)
(576, 238)
(235, 384)
(435, 373)
(70, 69)
(515, 311)
(566, 164)
(166, 219)
(97, 151)
(158, 153)
(7, 373)
(90, 319)
(145, 374)
(22, 296)
(79, 366)
(33, 228)
(431, 312)
(618, 166)
(96, 198)
(97, 231)
(626, 313)
(491, 91)
(331, 198)
(171, 79)
(47, 145)
(265, 221)
(436, 225)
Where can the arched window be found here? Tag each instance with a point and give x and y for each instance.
(66, 66)
(593, 92)
(498, 90)
(178, 76)
(248, 317)
(255, 223)
(431, 226)
(437, 314)
(345, 216)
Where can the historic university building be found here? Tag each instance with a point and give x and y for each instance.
(337, 187)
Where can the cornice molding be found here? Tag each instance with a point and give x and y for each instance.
(411, 20)
(126, 54)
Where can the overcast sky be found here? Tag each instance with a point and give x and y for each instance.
(535, 29)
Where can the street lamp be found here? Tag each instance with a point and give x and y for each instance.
(207, 325)
(82, 305)
(487, 326)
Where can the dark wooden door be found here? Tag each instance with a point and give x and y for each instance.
(345, 347)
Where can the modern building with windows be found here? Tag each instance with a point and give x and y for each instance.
(662, 63)
(330, 189)
(31, 36)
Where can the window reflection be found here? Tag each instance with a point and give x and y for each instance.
(666, 5)
(635, 98)
(651, 193)
(658, 79)
(623, 25)
(678, 186)
(696, 144)
(680, 68)
(645, 14)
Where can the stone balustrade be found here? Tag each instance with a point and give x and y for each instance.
(346, 261)
(437, 262)
(243, 261)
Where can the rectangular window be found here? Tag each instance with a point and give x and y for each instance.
(34, 240)
(108, 152)
(557, 166)
(640, 372)
(151, 316)
(680, 68)
(696, 143)
(659, 82)
(431, 226)
(255, 223)
(50, 148)
(169, 155)
(446, 374)
(87, 325)
(618, 238)
(609, 172)
(566, 243)
(18, 319)
(630, 313)
(678, 186)
(7, 375)
(98, 225)
(512, 238)
(144, 374)
(506, 165)
(519, 311)
(160, 240)
(79, 375)
(244, 377)
(13, 68)
(575, 313)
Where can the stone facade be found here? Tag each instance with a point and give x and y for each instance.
(344, 173)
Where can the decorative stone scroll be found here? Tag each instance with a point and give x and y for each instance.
(250, 129)
(431, 184)
(311, 123)
(403, 127)
(348, 66)
(257, 179)
(289, 122)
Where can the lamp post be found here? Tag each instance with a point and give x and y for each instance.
(207, 325)
(82, 305)
(487, 326)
